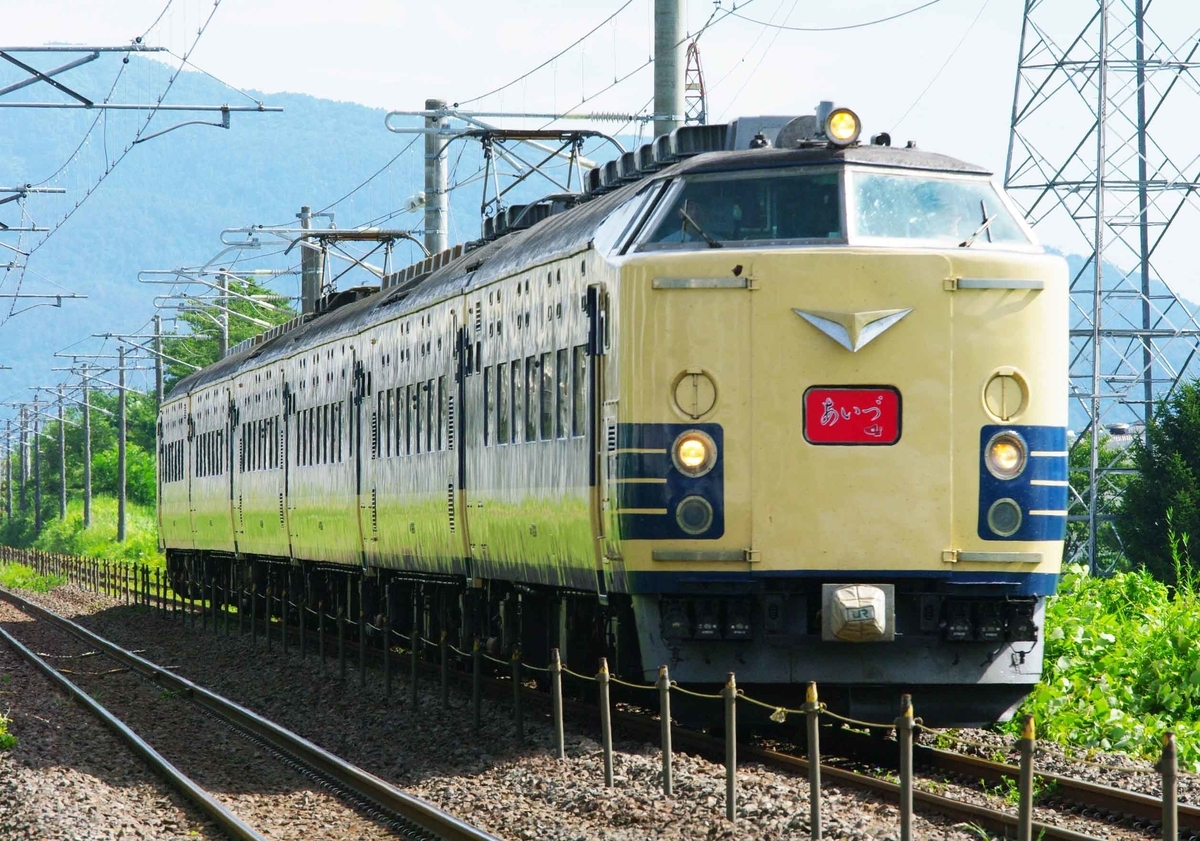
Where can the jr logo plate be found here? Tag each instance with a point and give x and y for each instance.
(852, 415)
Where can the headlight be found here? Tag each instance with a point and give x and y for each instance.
(842, 127)
(1004, 517)
(694, 515)
(1005, 455)
(694, 453)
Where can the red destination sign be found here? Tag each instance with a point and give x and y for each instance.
(851, 415)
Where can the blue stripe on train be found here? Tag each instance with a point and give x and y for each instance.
(1051, 440)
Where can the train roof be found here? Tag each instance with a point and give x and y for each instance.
(559, 234)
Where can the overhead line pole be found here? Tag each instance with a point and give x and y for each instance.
(62, 458)
(87, 449)
(121, 447)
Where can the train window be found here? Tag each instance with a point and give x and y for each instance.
(376, 439)
(326, 449)
(564, 393)
(430, 416)
(301, 431)
(948, 211)
(489, 405)
(503, 411)
(405, 419)
(547, 396)
(579, 403)
(532, 380)
(318, 436)
(748, 206)
(518, 401)
(397, 419)
(441, 411)
(419, 406)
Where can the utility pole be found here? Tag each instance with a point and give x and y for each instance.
(62, 458)
(312, 265)
(8, 469)
(668, 66)
(222, 317)
(37, 469)
(87, 450)
(121, 445)
(24, 465)
(158, 359)
(437, 200)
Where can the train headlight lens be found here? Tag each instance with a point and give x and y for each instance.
(1005, 455)
(1004, 517)
(842, 127)
(694, 515)
(694, 453)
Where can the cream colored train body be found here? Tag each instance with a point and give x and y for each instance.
(795, 414)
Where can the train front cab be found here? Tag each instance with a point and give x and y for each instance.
(815, 464)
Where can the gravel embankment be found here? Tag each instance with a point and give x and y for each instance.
(69, 778)
(516, 793)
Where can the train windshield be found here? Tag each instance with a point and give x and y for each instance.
(941, 211)
(729, 207)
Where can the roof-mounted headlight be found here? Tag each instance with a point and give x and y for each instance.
(842, 127)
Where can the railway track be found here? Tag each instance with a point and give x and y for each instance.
(1096, 803)
(387, 810)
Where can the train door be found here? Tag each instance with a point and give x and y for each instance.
(287, 416)
(189, 473)
(360, 409)
(601, 437)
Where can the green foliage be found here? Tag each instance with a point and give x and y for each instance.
(140, 479)
(201, 346)
(1169, 465)
(7, 740)
(99, 541)
(21, 577)
(1112, 486)
(1122, 667)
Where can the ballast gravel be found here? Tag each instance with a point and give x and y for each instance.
(514, 792)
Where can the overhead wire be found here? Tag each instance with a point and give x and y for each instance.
(842, 28)
(761, 57)
(552, 59)
(373, 176)
(945, 64)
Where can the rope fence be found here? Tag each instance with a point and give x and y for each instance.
(138, 585)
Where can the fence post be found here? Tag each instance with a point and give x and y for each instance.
(1025, 745)
(387, 658)
(267, 614)
(476, 677)
(1169, 766)
(321, 632)
(602, 678)
(283, 614)
(560, 748)
(904, 735)
(253, 614)
(362, 631)
(444, 644)
(664, 714)
(302, 609)
(414, 644)
(341, 623)
(518, 712)
(212, 590)
(812, 714)
(730, 693)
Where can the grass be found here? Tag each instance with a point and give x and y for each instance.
(100, 539)
(21, 577)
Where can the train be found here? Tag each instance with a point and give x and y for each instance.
(766, 399)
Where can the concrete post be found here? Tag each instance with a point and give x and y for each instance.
(158, 359)
(121, 445)
(37, 469)
(24, 464)
(62, 458)
(223, 315)
(87, 450)
(437, 200)
(8, 469)
(312, 266)
(668, 65)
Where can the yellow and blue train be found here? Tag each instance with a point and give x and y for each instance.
(765, 400)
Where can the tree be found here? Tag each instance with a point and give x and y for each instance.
(201, 345)
(1168, 464)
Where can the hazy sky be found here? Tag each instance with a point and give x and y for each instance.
(943, 76)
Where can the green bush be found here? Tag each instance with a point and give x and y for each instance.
(100, 540)
(1168, 464)
(1122, 667)
(21, 577)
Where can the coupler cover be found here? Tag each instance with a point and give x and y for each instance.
(858, 612)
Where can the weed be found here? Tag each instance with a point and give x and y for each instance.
(7, 740)
(974, 829)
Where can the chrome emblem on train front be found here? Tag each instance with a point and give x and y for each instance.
(852, 330)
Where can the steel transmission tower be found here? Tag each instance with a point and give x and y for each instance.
(1103, 158)
(695, 94)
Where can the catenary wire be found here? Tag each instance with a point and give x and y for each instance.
(945, 64)
(842, 28)
(552, 59)
(373, 176)
(761, 57)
